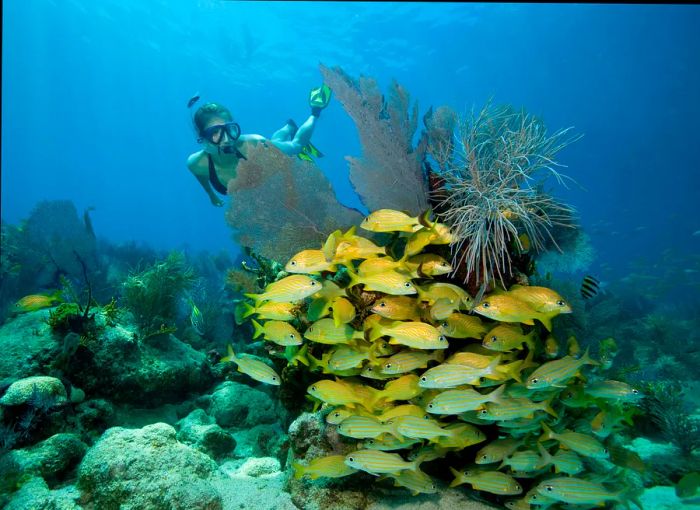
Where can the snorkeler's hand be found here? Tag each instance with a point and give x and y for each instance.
(216, 201)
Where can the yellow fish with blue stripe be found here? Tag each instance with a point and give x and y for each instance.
(279, 332)
(378, 462)
(253, 368)
(289, 289)
(493, 482)
(389, 220)
(556, 373)
(331, 466)
(578, 491)
(309, 262)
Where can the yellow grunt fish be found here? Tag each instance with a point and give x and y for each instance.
(459, 325)
(497, 450)
(556, 373)
(345, 357)
(514, 408)
(417, 428)
(35, 302)
(418, 335)
(427, 264)
(507, 337)
(414, 480)
(460, 401)
(362, 427)
(253, 368)
(376, 265)
(407, 361)
(616, 391)
(270, 310)
(505, 308)
(541, 299)
(279, 332)
(449, 375)
(378, 462)
(525, 461)
(334, 393)
(577, 491)
(332, 466)
(463, 436)
(387, 443)
(339, 414)
(567, 462)
(289, 289)
(493, 482)
(583, 444)
(389, 282)
(343, 311)
(309, 262)
(397, 308)
(404, 388)
(401, 410)
(389, 220)
(324, 331)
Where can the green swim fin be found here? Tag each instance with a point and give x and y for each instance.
(320, 97)
(309, 150)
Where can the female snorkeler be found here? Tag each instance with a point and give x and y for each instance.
(224, 145)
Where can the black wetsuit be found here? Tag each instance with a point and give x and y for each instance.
(214, 179)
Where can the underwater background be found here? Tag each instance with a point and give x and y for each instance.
(100, 214)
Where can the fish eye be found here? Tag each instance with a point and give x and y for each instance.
(313, 388)
(635, 391)
(560, 303)
(517, 487)
(442, 338)
(484, 411)
(430, 406)
(424, 379)
(292, 335)
(369, 369)
(549, 488)
(313, 283)
(388, 365)
(382, 304)
(444, 324)
(534, 381)
(407, 285)
(485, 304)
(605, 450)
(351, 459)
(293, 263)
(274, 377)
(432, 486)
(484, 457)
(337, 415)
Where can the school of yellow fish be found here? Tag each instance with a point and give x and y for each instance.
(417, 369)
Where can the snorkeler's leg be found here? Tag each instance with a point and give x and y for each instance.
(303, 135)
(286, 132)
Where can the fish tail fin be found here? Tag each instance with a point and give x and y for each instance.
(547, 408)
(299, 470)
(231, 355)
(495, 395)
(546, 321)
(259, 330)
(548, 433)
(424, 219)
(254, 297)
(56, 296)
(354, 278)
(248, 310)
(457, 475)
(546, 456)
(587, 360)
(530, 340)
(491, 368)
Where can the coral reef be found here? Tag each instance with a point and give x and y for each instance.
(389, 173)
(152, 295)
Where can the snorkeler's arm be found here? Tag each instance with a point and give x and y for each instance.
(194, 164)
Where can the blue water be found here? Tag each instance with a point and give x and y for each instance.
(94, 104)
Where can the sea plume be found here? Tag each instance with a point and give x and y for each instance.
(487, 187)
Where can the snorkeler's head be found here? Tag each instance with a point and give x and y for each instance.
(208, 112)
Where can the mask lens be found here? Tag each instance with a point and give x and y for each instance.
(215, 133)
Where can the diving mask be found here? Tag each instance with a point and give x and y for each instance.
(215, 133)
